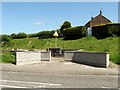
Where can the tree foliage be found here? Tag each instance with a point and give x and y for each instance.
(107, 30)
(19, 35)
(5, 37)
(66, 24)
(47, 34)
(74, 32)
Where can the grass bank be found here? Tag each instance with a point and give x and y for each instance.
(7, 57)
(109, 44)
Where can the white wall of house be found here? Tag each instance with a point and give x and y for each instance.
(89, 31)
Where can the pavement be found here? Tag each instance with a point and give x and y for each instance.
(59, 66)
(58, 74)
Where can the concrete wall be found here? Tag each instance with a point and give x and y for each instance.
(30, 57)
(90, 58)
(68, 55)
(45, 56)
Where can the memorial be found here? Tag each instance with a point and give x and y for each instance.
(99, 59)
(30, 57)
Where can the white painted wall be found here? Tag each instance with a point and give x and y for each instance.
(89, 31)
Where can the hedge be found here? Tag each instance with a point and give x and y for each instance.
(19, 35)
(108, 30)
(114, 29)
(66, 24)
(47, 34)
(5, 37)
(74, 32)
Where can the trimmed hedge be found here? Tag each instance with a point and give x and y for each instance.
(100, 31)
(66, 24)
(108, 30)
(114, 29)
(19, 35)
(74, 32)
(47, 34)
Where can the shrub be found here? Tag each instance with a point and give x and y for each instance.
(75, 32)
(5, 37)
(33, 35)
(13, 35)
(100, 31)
(103, 31)
(114, 29)
(19, 35)
(47, 34)
(66, 24)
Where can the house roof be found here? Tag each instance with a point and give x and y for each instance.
(100, 15)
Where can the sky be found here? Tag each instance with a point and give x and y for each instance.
(33, 17)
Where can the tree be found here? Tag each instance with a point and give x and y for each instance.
(19, 35)
(5, 37)
(13, 35)
(66, 24)
(74, 32)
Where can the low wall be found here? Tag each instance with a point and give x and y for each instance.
(45, 56)
(30, 57)
(90, 58)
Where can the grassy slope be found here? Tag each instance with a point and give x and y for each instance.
(87, 43)
(7, 57)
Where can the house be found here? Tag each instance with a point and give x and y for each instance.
(99, 19)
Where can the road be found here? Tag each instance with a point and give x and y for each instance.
(44, 80)
(58, 75)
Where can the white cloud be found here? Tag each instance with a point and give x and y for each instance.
(38, 23)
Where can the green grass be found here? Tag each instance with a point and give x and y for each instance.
(109, 44)
(7, 57)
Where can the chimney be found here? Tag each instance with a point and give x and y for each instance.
(101, 10)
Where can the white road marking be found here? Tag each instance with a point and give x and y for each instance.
(40, 85)
(28, 82)
(12, 86)
(106, 87)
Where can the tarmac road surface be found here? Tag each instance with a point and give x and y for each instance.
(41, 80)
(58, 75)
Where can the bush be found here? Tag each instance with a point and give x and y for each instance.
(100, 31)
(19, 35)
(66, 24)
(47, 34)
(114, 29)
(13, 35)
(108, 30)
(75, 32)
(33, 35)
(5, 37)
